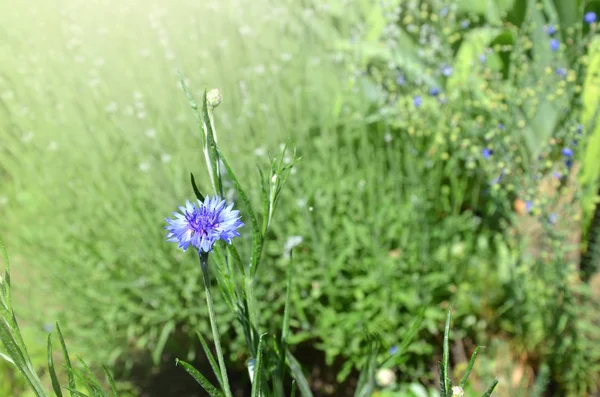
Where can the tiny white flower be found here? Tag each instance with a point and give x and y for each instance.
(144, 167)
(385, 377)
(111, 107)
(52, 146)
(150, 133)
(27, 137)
(165, 158)
(259, 151)
(387, 137)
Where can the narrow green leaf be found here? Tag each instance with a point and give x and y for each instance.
(463, 381)
(294, 388)
(288, 297)
(490, 389)
(211, 359)
(298, 374)
(258, 371)
(199, 195)
(76, 393)
(52, 371)
(111, 381)
(202, 381)
(71, 378)
(447, 353)
(194, 105)
(443, 392)
(211, 145)
(256, 234)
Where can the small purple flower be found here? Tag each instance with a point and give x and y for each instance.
(447, 70)
(567, 152)
(500, 126)
(554, 44)
(418, 101)
(434, 91)
(590, 17)
(550, 30)
(482, 58)
(202, 224)
(569, 163)
(486, 153)
(393, 349)
(556, 174)
(562, 72)
(528, 206)
(465, 24)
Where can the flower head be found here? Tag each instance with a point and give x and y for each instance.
(590, 17)
(418, 101)
(201, 224)
(434, 91)
(447, 70)
(486, 153)
(554, 44)
(550, 30)
(567, 152)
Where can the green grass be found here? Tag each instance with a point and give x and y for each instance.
(395, 205)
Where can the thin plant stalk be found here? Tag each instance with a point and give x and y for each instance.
(213, 323)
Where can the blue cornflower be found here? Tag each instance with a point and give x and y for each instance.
(447, 70)
(562, 72)
(569, 163)
(465, 24)
(482, 58)
(556, 174)
(550, 30)
(579, 128)
(434, 91)
(590, 17)
(201, 224)
(393, 349)
(500, 126)
(552, 218)
(554, 44)
(567, 152)
(486, 153)
(528, 206)
(418, 101)
(400, 80)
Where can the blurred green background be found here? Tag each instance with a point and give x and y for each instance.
(450, 158)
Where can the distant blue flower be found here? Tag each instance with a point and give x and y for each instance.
(554, 44)
(393, 349)
(434, 91)
(465, 24)
(562, 72)
(569, 163)
(552, 218)
(550, 29)
(567, 152)
(579, 128)
(528, 206)
(443, 12)
(500, 126)
(482, 58)
(590, 17)
(202, 224)
(447, 70)
(556, 174)
(486, 153)
(418, 101)
(400, 80)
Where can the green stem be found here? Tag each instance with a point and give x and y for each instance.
(252, 309)
(213, 323)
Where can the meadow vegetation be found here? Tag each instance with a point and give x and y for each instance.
(436, 154)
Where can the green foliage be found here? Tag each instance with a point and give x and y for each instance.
(397, 208)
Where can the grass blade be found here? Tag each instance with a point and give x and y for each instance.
(211, 359)
(202, 381)
(490, 389)
(256, 234)
(463, 381)
(298, 375)
(111, 381)
(258, 372)
(446, 358)
(51, 370)
(199, 195)
(71, 378)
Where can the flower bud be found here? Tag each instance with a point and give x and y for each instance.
(213, 98)
(457, 391)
